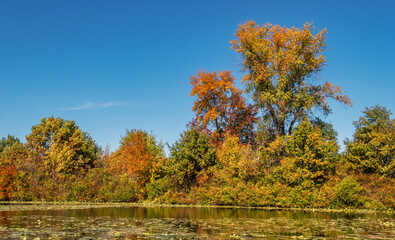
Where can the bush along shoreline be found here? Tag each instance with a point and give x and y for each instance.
(265, 146)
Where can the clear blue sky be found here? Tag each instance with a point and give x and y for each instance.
(117, 65)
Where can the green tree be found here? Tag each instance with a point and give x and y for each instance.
(61, 147)
(281, 64)
(9, 141)
(312, 152)
(372, 149)
(301, 144)
(349, 193)
(190, 156)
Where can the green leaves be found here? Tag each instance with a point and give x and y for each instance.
(373, 148)
(314, 150)
(192, 154)
(349, 193)
(8, 142)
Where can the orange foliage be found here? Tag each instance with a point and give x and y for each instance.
(7, 174)
(211, 90)
(220, 107)
(135, 158)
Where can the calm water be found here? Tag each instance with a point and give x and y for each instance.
(191, 223)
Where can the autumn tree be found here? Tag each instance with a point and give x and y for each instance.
(13, 156)
(139, 156)
(236, 161)
(281, 64)
(312, 152)
(7, 166)
(61, 147)
(372, 149)
(220, 107)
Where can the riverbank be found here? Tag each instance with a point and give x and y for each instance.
(37, 205)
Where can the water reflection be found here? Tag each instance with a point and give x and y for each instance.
(189, 223)
(191, 213)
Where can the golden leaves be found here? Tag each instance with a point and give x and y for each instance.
(272, 51)
(280, 63)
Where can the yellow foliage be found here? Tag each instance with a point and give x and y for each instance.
(280, 62)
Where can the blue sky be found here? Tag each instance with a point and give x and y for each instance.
(117, 65)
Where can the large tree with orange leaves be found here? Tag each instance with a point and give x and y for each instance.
(138, 156)
(220, 107)
(281, 64)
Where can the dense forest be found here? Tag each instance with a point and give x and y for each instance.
(265, 145)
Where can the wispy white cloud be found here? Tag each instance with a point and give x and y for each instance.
(92, 105)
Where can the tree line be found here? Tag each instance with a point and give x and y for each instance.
(271, 149)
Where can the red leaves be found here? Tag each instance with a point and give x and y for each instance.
(220, 106)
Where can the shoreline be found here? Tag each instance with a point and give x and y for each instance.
(38, 205)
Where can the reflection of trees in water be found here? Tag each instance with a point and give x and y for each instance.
(188, 222)
(183, 212)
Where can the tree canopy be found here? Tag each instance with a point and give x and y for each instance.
(8, 142)
(61, 146)
(137, 156)
(372, 149)
(220, 107)
(281, 64)
(190, 155)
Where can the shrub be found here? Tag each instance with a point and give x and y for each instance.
(349, 193)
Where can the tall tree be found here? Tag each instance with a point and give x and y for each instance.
(61, 147)
(220, 107)
(281, 64)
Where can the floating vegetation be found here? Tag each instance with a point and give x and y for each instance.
(100, 222)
